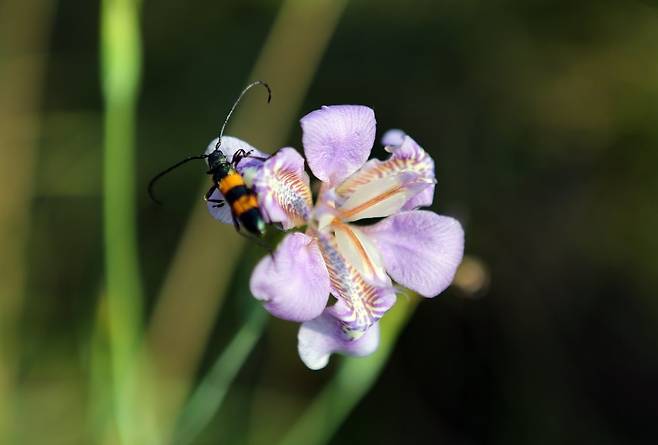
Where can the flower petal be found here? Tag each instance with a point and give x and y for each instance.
(420, 249)
(393, 136)
(382, 196)
(337, 140)
(230, 145)
(221, 212)
(406, 157)
(360, 304)
(283, 190)
(322, 336)
(295, 284)
(422, 199)
(361, 253)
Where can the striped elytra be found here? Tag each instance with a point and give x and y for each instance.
(241, 200)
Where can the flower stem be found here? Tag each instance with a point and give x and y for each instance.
(352, 381)
(121, 60)
(209, 395)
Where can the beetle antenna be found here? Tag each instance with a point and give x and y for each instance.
(219, 139)
(164, 172)
(235, 104)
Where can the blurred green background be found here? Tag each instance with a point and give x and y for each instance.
(542, 117)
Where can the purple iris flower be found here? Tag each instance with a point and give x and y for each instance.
(356, 264)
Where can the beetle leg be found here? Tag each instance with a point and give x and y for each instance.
(236, 224)
(217, 202)
(210, 191)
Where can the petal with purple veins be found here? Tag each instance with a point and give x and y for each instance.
(407, 160)
(360, 303)
(294, 283)
(406, 157)
(283, 190)
(420, 249)
(337, 140)
(409, 149)
(323, 336)
(410, 152)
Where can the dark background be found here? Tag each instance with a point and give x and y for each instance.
(542, 119)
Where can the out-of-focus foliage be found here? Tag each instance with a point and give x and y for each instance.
(542, 117)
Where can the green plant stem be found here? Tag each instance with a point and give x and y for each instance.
(209, 395)
(121, 60)
(352, 381)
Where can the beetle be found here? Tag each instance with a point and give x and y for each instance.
(241, 199)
